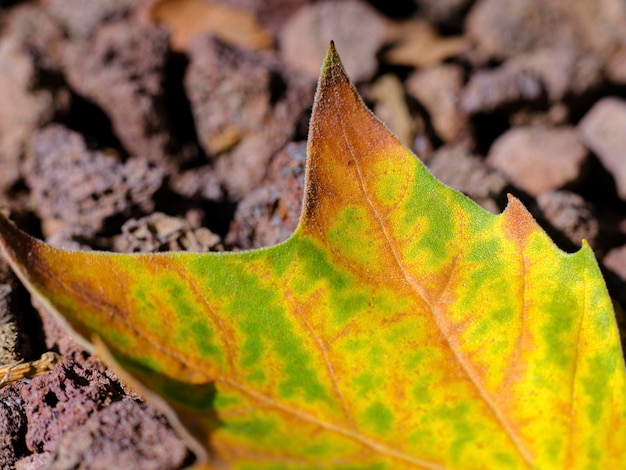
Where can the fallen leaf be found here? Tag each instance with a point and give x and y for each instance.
(401, 326)
(188, 18)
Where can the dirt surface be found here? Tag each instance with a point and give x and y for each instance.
(144, 126)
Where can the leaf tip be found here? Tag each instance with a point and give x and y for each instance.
(332, 62)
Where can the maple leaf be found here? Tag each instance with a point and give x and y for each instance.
(400, 326)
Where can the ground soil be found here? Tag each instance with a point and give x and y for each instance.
(135, 125)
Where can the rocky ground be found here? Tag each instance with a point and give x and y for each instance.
(133, 125)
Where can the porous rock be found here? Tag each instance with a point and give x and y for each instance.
(506, 28)
(246, 105)
(81, 19)
(438, 89)
(494, 90)
(122, 70)
(12, 425)
(456, 167)
(63, 399)
(270, 213)
(160, 232)
(126, 434)
(571, 215)
(602, 130)
(539, 159)
(357, 30)
(23, 108)
(83, 188)
(615, 260)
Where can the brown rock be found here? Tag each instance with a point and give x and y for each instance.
(601, 24)
(270, 213)
(556, 115)
(246, 105)
(443, 12)
(542, 74)
(506, 28)
(200, 182)
(494, 90)
(454, 166)
(602, 130)
(616, 65)
(271, 13)
(41, 37)
(160, 232)
(82, 19)
(357, 30)
(562, 71)
(615, 260)
(12, 425)
(23, 109)
(571, 215)
(57, 338)
(63, 399)
(83, 188)
(122, 71)
(539, 159)
(438, 89)
(34, 461)
(126, 434)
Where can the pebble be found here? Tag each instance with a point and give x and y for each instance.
(539, 159)
(603, 131)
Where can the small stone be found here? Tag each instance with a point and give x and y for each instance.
(454, 166)
(83, 188)
(616, 66)
(246, 105)
(23, 109)
(12, 425)
(160, 232)
(506, 28)
(122, 71)
(603, 131)
(493, 90)
(443, 12)
(271, 13)
(615, 260)
(126, 434)
(34, 462)
(199, 182)
(539, 159)
(562, 70)
(270, 213)
(81, 19)
(438, 89)
(357, 30)
(571, 215)
(63, 399)
(545, 74)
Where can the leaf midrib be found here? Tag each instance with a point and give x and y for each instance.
(515, 439)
